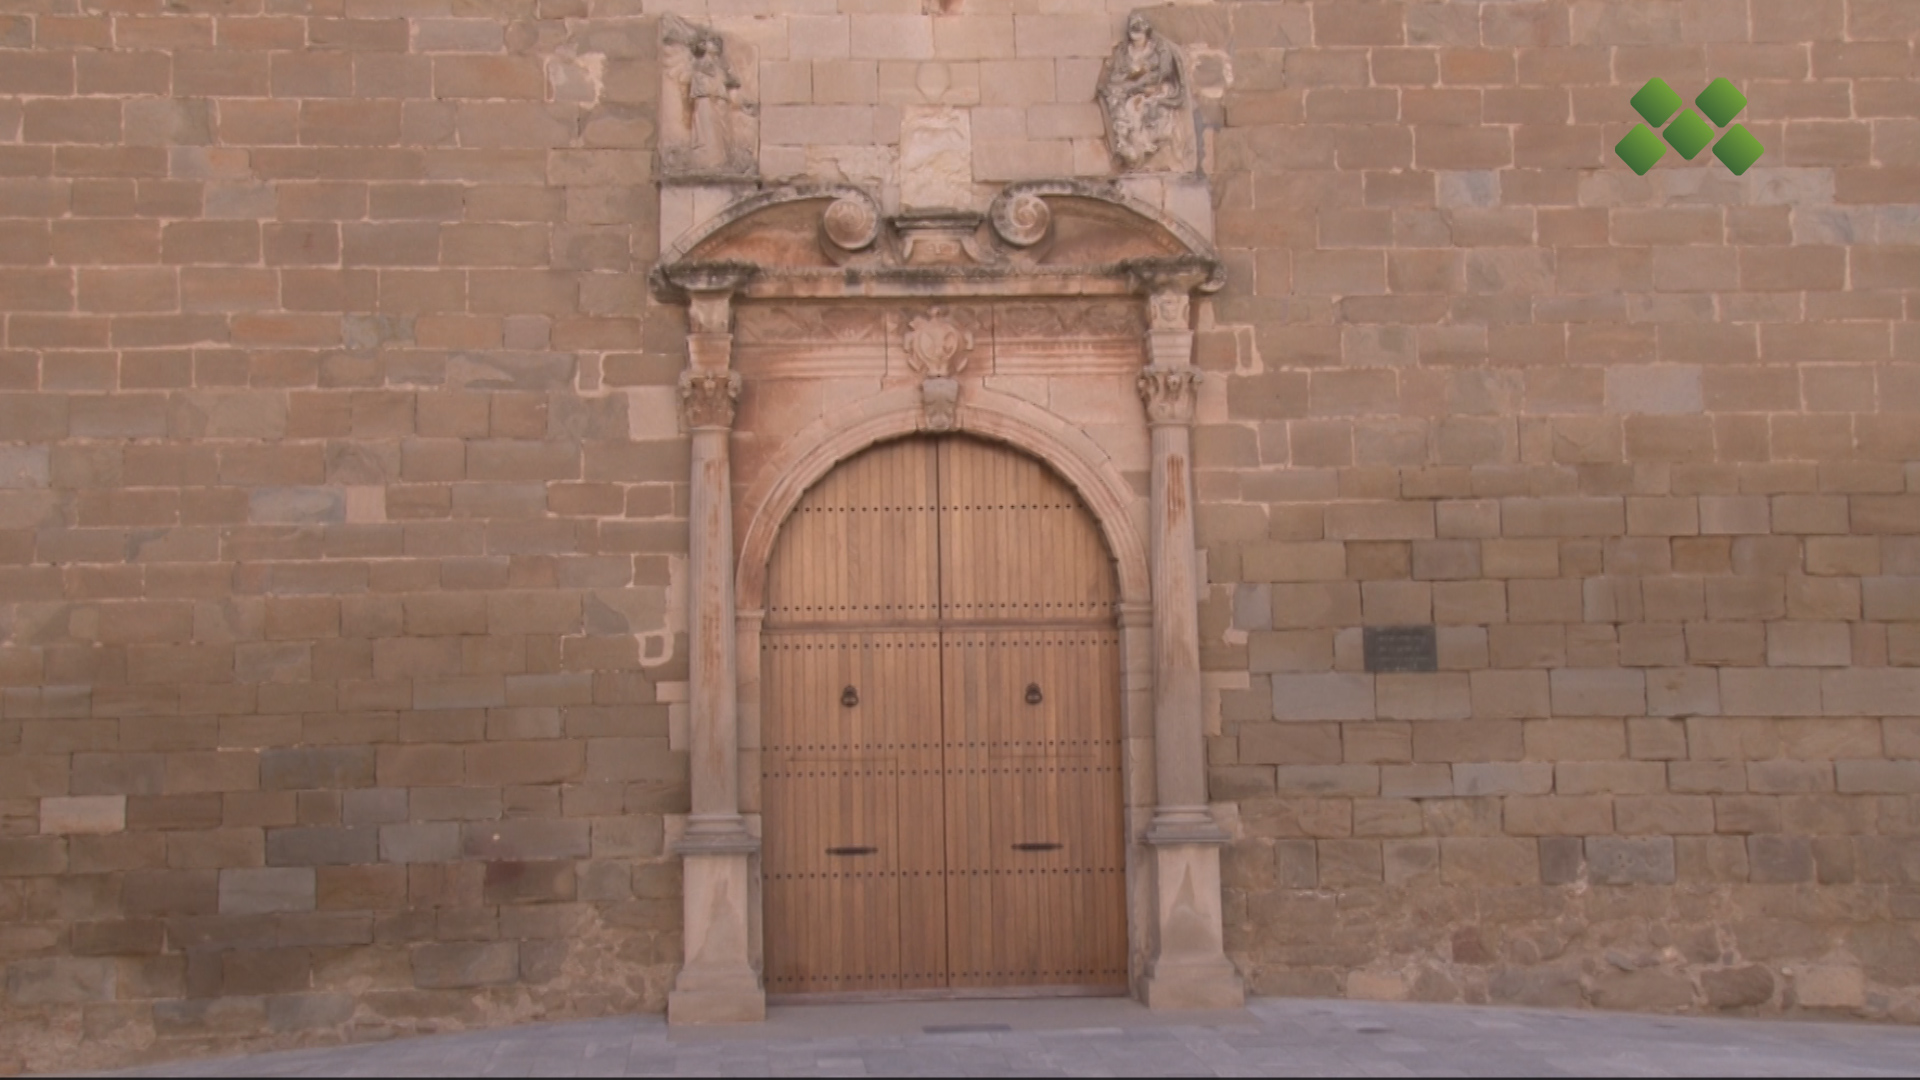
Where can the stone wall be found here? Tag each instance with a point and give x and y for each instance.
(342, 501)
(1642, 448)
(343, 508)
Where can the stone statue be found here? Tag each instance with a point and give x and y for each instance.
(708, 124)
(1143, 92)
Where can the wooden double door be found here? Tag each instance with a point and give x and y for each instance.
(940, 733)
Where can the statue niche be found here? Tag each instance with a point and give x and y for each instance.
(709, 118)
(1145, 96)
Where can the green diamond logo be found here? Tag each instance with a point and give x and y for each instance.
(1721, 101)
(1656, 101)
(1641, 149)
(1689, 134)
(1737, 149)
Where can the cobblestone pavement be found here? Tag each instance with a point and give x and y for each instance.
(1119, 1038)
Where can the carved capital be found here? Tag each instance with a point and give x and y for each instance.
(710, 288)
(1170, 393)
(1170, 310)
(707, 398)
(1181, 274)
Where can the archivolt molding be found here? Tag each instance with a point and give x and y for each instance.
(814, 452)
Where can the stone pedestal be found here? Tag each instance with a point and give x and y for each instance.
(1190, 969)
(717, 984)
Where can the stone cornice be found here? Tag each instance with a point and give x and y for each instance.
(1060, 238)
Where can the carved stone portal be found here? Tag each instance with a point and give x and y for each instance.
(837, 326)
(709, 115)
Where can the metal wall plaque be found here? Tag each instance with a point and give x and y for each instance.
(1402, 648)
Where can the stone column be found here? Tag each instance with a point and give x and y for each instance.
(1189, 968)
(717, 981)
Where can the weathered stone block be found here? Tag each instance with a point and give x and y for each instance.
(1469, 741)
(322, 846)
(524, 882)
(1599, 692)
(466, 964)
(1647, 989)
(1539, 987)
(1871, 692)
(1561, 859)
(1738, 988)
(1710, 859)
(526, 840)
(267, 891)
(1476, 860)
(1406, 861)
(61, 981)
(1878, 777)
(308, 1012)
(1503, 778)
(420, 843)
(1557, 815)
(330, 768)
(1323, 697)
(1423, 697)
(83, 815)
(1829, 986)
(1780, 859)
(1631, 860)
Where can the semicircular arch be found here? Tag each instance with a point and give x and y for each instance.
(818, 449)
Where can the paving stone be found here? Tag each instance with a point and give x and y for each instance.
(1095, 1037)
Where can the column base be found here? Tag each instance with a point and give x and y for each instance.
(745, 1004)
(717, 983)
(1190, 969)
(1194, 987)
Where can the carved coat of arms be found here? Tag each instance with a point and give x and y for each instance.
(937, 348)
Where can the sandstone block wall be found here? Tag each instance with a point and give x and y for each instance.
(341, 509)
(1642, 449)
(342, 500)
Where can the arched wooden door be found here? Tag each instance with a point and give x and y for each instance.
(940, 734)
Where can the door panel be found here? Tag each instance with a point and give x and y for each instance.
(860, 547)
(1015, 541)
(851, 858)
(926, 824)
(1036, 858)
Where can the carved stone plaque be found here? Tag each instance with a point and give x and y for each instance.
(1402, 648)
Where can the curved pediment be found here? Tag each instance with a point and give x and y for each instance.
(1040, 238)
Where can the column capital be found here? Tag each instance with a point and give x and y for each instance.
(1170, 392)
(1181, 274)
(710, 288)
(707, 399)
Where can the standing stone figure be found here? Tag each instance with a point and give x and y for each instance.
(710, 87)
(707, 128)
(1145, 99)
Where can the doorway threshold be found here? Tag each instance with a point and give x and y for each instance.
(986, 993)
